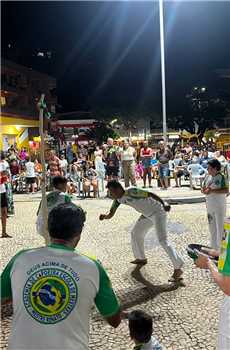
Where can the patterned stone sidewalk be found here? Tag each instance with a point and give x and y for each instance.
(185, 317)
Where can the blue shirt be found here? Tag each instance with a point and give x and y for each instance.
(204, 162)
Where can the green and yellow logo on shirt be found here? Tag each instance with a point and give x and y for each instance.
(50, 295)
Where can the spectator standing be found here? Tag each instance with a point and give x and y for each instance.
(97, 155)
(100, 168)
(91, 150)
(54, 288)
(178, 169)
(138, 152)
(8, 184)
(54, 166)
(127, 155)
(63, 164)
(163, 156)
(221, 158)
(146, 157)
(23, 155)
(3, 181)
(30, 176)
(75, 147)
(12, 154)
(38, 173)
(69, 152)
(14, 170)
(112, 160)
(215, 187)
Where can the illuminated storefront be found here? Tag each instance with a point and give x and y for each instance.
(15, 130)
(20, 92)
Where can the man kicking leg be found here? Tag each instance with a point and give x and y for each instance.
(153, 211)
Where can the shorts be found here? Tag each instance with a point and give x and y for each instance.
(180, 173)
(112, 171)
(3, 200)
(147, 163)
(30, 180)
(163, 170)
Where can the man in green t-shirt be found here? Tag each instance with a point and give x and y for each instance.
(215, 187)
(54, 198)
(222, 278)
(53, 289)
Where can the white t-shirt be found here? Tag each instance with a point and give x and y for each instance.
(3, 167)
(127, 154)
(139, 200)
(215, 182)
(153, 344)
(30, 169)
(53, 290)
(54, 198)
(64, 164)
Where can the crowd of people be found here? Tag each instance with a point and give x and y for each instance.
(88, 166)
(60, 285)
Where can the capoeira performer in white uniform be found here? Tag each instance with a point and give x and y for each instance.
(153, 211)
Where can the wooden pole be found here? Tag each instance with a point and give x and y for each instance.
(44, 207)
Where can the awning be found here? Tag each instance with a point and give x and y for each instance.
(19, 121)
(85, 123)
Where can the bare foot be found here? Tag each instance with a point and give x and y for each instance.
(139, 261)
(176, 276)
(5, 235)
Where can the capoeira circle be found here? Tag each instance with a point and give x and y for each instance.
(153, 212)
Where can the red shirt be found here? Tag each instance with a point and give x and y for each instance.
(148, 152)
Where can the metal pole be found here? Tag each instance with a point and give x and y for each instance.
(43, 182)
(161, 16)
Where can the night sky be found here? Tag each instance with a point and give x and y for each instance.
(107, 54)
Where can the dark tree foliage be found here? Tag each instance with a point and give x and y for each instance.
(101, 133)
(204, 112)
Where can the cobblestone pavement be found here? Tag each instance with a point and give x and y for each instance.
(185, 317)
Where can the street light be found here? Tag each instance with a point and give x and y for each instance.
(162, 45)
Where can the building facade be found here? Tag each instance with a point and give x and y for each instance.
(21, 88)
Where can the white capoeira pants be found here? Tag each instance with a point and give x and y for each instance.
(224, 325)
(216, 208)
(141, 228)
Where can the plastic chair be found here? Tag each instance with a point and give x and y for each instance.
(197, 174)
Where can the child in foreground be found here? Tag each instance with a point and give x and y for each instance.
(141, 329)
